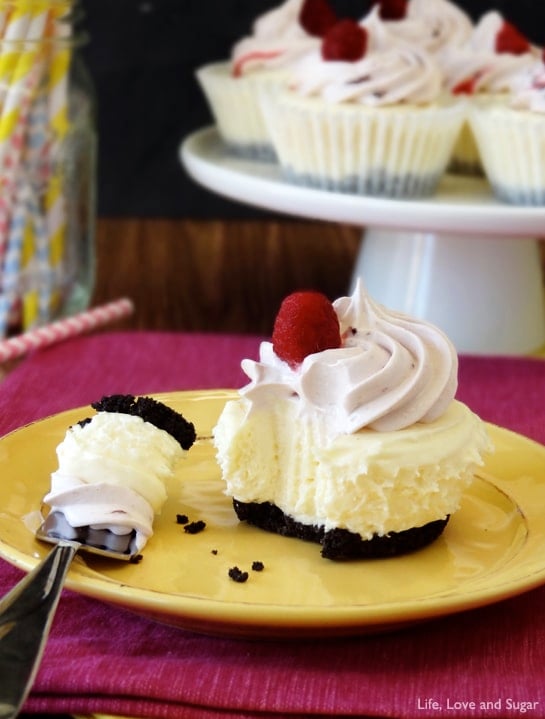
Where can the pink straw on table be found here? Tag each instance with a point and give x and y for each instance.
(64, 329)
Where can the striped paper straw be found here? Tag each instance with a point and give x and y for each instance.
(55, 200)
(65, 329)
(59, 64)
(4, 15)
(35, 249)
(15, 31)
(11, 270)
(27, 57)
(45, 275)
(14, 192)
(12, 140)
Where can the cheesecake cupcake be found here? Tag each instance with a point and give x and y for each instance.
(258, 66)
(510, 133)
(445, 30)
(348, 433)
(507, 115)
(486, 69)
(365, 114)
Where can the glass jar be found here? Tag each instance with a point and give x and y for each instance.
(48, 148)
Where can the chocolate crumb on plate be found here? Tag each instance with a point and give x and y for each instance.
(195, 527)
(237, 575)
(182, 519)
(258, 566)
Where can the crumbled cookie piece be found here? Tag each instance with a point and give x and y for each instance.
(195, 527)
(237, 575)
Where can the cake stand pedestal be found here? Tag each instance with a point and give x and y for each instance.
(460, 259)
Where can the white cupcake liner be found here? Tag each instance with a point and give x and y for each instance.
(235, 105)
(512, 148)
(397, 151)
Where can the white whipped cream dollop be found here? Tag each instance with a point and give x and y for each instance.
(392, 71)
(276, 41)
(112, 472)
(391, 371)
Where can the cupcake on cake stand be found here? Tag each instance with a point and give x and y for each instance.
(459, 259)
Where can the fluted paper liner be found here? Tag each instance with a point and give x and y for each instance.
(235, 105)
(512, 147)
(397, 151)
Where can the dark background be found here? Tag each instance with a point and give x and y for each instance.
(142, 55)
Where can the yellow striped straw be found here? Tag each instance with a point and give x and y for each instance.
(22, 70)
(4, 15)
(14, 32)
(30, 298)
(58, 67)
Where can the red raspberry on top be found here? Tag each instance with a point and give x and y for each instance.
(392, 9)
(464, 87)
(467, 86)
(346, 41)
(511, 40)
(316, 17)
(306, 323)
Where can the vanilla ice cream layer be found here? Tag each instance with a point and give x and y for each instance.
(368, 482)
(112, 472)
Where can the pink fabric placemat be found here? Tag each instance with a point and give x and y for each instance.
(103, 659)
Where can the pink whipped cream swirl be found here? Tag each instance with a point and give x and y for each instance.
(480, 66)
(391, 372)
(277, 40)
(392, 71)
(443, 24)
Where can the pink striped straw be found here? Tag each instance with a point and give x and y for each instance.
(64, 329)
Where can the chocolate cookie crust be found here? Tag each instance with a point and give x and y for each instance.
(153, 411)
(338, 544)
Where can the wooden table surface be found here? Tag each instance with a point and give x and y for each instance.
(227, 276)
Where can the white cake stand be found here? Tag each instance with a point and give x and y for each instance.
(461, 259)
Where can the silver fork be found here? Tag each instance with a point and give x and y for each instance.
(27, 611)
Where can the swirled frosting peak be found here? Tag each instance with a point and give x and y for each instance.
(496, 59)
(390, 372)
(444, 23)
(277, 39)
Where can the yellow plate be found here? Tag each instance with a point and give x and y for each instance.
(493, 547)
